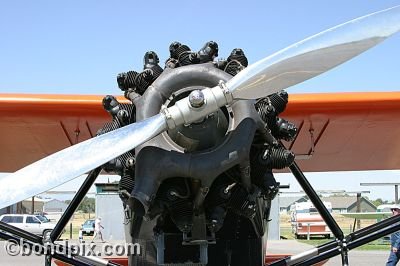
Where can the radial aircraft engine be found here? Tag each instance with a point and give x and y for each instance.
(202, 188)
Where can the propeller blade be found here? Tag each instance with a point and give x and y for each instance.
(285, 68)
(314, 55)
(76, 160)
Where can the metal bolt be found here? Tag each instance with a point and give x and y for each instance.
(130, 162)
(196, 98)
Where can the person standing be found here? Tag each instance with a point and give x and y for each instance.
(80, 235)
(394, 256)
(97, 230)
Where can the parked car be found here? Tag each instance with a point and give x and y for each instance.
(42, 218)
(88, 227)
(29, 223)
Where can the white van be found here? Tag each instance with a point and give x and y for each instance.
(29, 223)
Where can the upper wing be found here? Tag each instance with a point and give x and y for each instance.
(340, 131)
(35, 126)
(346, 131)
(367, 215)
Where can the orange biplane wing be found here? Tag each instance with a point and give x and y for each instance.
(337, 131)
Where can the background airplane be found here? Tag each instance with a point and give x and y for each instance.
(382, 211)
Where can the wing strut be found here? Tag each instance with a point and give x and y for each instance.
(342, 244)
(62, 253)
(74, 204)
(323, 211)
(333, 248)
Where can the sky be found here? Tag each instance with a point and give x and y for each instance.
(78, 47)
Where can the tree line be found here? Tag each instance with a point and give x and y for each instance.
(87, 205)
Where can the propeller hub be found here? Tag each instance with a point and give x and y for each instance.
(196, 98)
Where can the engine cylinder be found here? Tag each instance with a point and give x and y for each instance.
(237, 54)
(279, 101)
